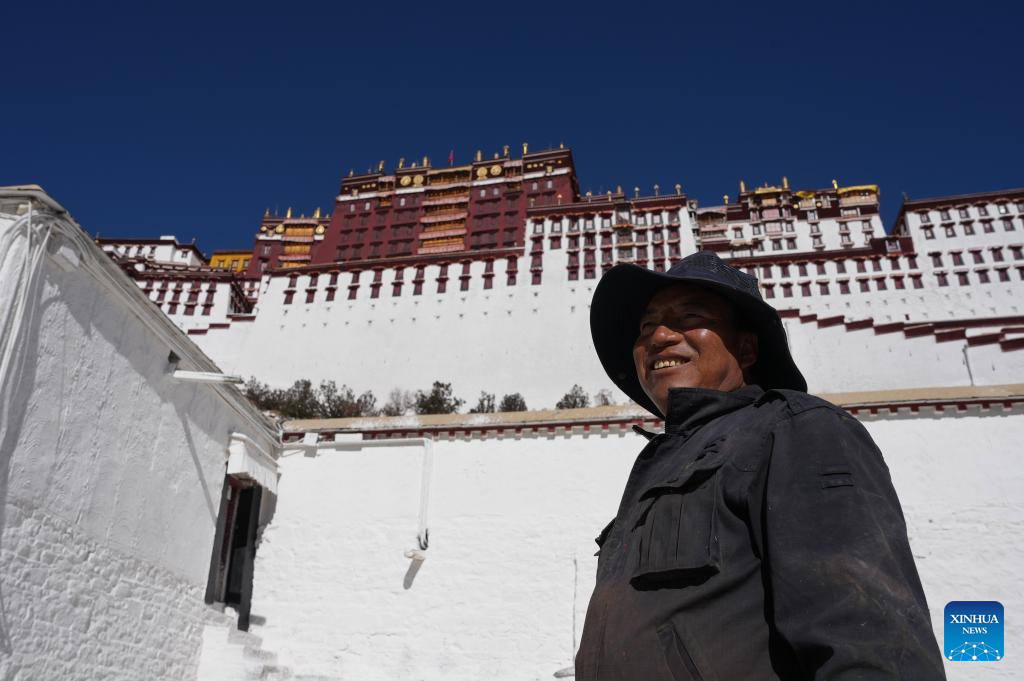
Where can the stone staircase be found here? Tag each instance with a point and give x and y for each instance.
(232, 655)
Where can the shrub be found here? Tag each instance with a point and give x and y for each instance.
(438, 401)
(485, 405)
(576, 398)
(513, 402)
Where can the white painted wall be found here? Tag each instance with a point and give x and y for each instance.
(110, 476)
(504, 589)
(536, 339)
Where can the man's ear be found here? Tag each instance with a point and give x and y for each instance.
(748, 349)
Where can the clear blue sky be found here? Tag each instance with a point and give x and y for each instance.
(152, 118)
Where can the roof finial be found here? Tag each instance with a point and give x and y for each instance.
(479, 155)
(743, 187)
(288, 214)
(785, 182)
(316, 213)
(351, 172)
(426, 161)
(380, 167)
(504, 151)
(835, 184)
(561, 145)
(401, 163)
(679, 188)
(526, 148)
(725, 199)
(657, 190)
(636, 192)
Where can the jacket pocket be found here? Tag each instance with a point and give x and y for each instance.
(682, 664)
(676, 535)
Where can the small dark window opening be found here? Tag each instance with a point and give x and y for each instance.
(234, 548)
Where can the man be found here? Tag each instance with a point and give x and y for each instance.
(759, 536)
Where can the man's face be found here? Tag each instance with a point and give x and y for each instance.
(688, 338)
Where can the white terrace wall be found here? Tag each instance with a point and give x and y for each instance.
(510, 566)
(110, 481)
(536, 339)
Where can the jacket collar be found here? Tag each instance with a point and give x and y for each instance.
(690, 408)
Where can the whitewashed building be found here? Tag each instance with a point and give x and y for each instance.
(133, 480)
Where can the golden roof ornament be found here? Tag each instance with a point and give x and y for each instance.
(725, 199)
(526, 148)
(426, 161)
(835, 184)
(618, 189)
(679, 188)
(636, 192)
(504, 150)
(316, 213)
(289, 213)
(266, 213)
(351, 172)
(561, 145)
(657, 190)
(785, 182)
(743, 187)
(479, 155)
(380, 167)
(401, 163)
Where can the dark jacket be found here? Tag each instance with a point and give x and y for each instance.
(759, 537)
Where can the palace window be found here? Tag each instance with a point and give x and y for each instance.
(968, 229)
(865, 285)
(944, 214)
(983, 211)
(941, 278)
(574, 225)
(1004, 274)
(844, 286)
(925, 218)
(805, 289)
(1017, 251)
(789, 227)
(929, 233)
(950, 231)
(862, 266)
(983, 276)
(916, 278)
(962, 278)
(776, 245)
(766, 271)
(791, 244)
(978, 257)
(737, 232)
(845, 240)
(1002, 209)
(880, 284)
(812, 215)
(964, 213)
(849, 212)
(958, 259)
(769, 291)
(988, 227)
(898, 282)
(820, 267)
(756, 230)
(656, 219)
(1008, 225)
(997, 254)
(823, 288)
(936, 259)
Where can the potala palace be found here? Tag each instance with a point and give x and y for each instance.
(157, 525)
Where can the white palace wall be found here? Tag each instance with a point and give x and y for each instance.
(110, 470)
(535, 339)
(504, 588)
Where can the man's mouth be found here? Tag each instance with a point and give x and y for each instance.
(668, 363)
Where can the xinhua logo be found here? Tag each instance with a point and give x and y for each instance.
(973, 631)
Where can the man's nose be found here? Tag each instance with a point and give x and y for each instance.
(664, 336)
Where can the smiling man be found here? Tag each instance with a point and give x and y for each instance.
(759, 536)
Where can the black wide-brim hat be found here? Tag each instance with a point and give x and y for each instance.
(622, 296)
